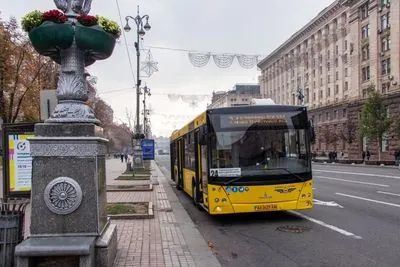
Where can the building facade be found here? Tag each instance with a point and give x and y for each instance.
(333, 60)
(240, 95)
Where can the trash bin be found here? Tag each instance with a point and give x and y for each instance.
(12, 212)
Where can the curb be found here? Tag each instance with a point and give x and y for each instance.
(131, 189)
(197, 245)
(356, 165)
(149, 215)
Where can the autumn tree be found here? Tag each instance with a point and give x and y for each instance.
(329, 137)
(374, 122)
(348, 132)
(23, 73)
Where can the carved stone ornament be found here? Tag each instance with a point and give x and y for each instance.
(73, 111)
(78, 6)
(63, 195)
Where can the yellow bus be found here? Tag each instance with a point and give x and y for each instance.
(245, 159)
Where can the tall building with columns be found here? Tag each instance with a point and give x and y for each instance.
(333, 60)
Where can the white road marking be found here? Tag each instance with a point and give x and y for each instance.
(326, 203)
(388, 193)
(329, 226)
(351, 181)
(362, 174)
(370, 200)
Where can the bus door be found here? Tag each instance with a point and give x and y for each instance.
(203, 169)
(181, 158)
(197, 152)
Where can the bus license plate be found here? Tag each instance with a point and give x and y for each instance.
(265, 207)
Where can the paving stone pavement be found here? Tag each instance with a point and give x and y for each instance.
(157, 242)
(149, 242)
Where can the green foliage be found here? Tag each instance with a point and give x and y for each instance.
(109, 26)
(32, 20)
(374, 121)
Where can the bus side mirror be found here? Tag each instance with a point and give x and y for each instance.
(203, 135)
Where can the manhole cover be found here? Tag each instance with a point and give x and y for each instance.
(293, 229)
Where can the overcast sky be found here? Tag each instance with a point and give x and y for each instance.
(220, 26)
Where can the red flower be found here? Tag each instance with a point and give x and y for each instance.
(54, 16)
(87, 20)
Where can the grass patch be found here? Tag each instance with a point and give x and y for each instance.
(133, 178)
(127, 208)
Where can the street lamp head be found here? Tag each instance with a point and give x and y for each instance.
(147, 26)
(141, 32)
(127, 28)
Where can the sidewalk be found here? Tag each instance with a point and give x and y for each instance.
(169, 239)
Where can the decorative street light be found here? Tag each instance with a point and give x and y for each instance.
(146, 91)
(141, 29)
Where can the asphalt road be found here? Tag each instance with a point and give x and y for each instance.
(355, 222)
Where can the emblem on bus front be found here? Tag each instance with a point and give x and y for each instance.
(265, 196)
(285, 190)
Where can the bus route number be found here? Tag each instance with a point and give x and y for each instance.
(213, 172)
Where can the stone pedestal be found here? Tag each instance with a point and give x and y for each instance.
(69, 198)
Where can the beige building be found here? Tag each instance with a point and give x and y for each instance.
(240, 95)
(333, 59)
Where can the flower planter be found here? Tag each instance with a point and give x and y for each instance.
(98, 43)
(49, 37)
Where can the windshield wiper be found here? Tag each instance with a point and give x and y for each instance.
(285, 169)
(232, 180)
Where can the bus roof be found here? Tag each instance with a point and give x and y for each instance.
(201, 119)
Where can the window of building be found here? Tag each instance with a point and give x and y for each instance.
(345, 72)
(327, 116)
(365, 31)
(313, 62)
(320, 69)
(321, 82)
(385, 143)
(320, 117)
(385, 66)
(329, 78)
(314, 98)
(364, 9)
(384, 21)
(365, 74)
(313, 84)
(335, 115)
(328, 66)
(346, 86)
(337, 76)
(320, 94)
(313, 72)
(385, 43)
(345, 45)
(344, 113)
(385, 87)
(365, 52)
(328, 91)
(336, 62)
(337, 89)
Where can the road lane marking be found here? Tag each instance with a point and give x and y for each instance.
(329, 226)
(351, 181)
(388, 193)
(370, 200)
(361, 174)
(326, 203)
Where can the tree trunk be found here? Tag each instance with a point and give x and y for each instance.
(379, 148)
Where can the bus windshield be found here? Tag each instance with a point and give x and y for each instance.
(261, 149)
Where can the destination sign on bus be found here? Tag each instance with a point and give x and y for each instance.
(248, 120)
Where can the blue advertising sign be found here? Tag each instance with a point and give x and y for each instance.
(148, 149)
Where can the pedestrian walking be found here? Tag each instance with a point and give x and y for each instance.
(368, 154)
(363, 156)
(122, 157)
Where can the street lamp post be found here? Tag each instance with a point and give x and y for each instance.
(146, 91)
(140, 32)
